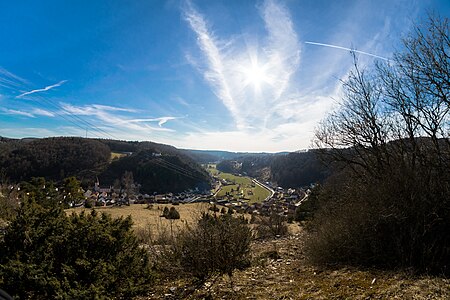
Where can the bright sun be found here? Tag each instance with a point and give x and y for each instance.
(255, 75)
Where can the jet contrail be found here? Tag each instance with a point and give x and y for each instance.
(42, 90)
(348, 49)
(161, 121)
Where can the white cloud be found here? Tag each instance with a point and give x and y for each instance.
(43, 89)
(17, 112)
(215, 74)
(284, 50)
(276, 92)
(161, 120)
(110, 117)
(11, 81)
(249, 82)
(181, 101)
(42, 112)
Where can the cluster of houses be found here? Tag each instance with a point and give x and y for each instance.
(283, 202)
(107, 196)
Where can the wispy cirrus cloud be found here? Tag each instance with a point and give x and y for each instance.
(11, 81)
(275, 87)
(216, 72)
(161, 120)
(30, 113)
(16, 112)
(42, 112)
(252, 77)
(42, 90)
(93, 109)
(112, 117)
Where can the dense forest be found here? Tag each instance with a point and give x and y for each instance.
(52, 158)
(173, 173)
(213, 156)
(299, 169)
(295, 169)
(156, 167)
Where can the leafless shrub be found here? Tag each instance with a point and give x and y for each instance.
(217, 245)
(391, 137)
(271, 226)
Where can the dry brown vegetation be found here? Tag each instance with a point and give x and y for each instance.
(150, 218)
(280, 270)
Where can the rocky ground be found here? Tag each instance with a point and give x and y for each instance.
(280, 271)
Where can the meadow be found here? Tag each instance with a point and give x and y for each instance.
(150, 219)
(240, 187)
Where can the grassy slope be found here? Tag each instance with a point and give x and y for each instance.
(117, 155)
(259, 193)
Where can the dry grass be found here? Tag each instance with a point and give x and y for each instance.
(291, 276)
(116, 155)
(149, 219)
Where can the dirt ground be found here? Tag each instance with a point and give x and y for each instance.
(288, 275)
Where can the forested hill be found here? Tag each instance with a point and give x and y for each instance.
(157, 167)
(294, 169)
(212, 156)
(52, 158)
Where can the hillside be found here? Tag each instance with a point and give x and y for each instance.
(52, 158)
(212, 156)
(156, 167)
(158, 172)
(294, 169)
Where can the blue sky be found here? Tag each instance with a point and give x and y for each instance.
(228, 75)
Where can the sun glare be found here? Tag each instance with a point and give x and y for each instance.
(255, 75)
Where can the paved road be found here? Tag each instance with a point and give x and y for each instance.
(265, 187)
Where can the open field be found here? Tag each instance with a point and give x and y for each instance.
(116, 155)
(144, 218)
(241, 187)
(211, 168)
(235, 179)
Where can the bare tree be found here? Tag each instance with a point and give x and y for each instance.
(391, 135)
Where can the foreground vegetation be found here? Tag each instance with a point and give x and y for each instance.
(280, 270)
(45, 254)
(388, 204)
